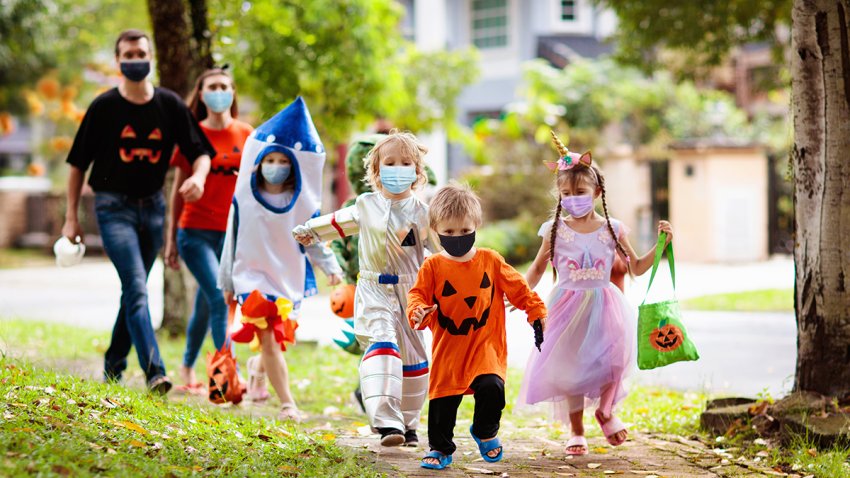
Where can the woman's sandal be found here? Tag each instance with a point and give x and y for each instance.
(611, 428)
(577, 441)
(289, 411)
(444, 460)
(257, 389)
(485, 447)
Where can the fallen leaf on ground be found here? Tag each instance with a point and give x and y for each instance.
(131, 426)
(594, 466)
(812, 452)
(263, 437)
(600, 450)
(108, 403)
(8, 416)
(328, 437)
(643, 472)
(111, 451)
(61, 470)
(19, 405)
(24, 429)
(612, 472)
(49, 390)
(484, 471)
(190, 449)
(136, 443)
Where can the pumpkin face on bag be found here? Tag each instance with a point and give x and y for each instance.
(342, 301)
(666, 338)
(465, 297)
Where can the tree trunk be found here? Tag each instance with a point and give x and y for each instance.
(202, 36)
(820, 71)
(178, 66)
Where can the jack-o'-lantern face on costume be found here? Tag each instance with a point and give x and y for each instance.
(138, 146)
(666, 338)
(475, 297)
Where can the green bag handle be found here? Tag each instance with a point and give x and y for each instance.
(659, 251)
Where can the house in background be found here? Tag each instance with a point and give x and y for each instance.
(506, 33)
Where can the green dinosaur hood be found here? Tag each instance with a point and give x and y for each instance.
(355, 163)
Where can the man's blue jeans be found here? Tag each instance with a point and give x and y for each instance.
(132, 234)
(201, 250)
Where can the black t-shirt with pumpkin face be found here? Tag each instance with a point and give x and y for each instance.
(130, 145)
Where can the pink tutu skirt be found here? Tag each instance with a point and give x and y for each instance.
(588, 348)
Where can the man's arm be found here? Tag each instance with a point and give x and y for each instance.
(193, 187)
(71, 229)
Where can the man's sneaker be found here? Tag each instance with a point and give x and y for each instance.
(159, 385)
(411, 438)
(391, 436)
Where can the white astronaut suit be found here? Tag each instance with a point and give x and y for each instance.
(394, 236)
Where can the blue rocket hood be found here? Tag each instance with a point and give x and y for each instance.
(291, 132)
(292, 127)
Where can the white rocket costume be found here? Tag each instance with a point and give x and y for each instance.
(393, 237)
(259, 251)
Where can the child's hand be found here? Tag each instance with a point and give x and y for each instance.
(420, 313)
(228, 297)
(334, 279)
(303, 235)
(509, 306)
(664, 226)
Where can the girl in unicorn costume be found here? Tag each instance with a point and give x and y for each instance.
(279, 186)
(394, 239)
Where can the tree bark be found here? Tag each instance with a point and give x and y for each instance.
(820, 70)
(178, 66)
(202, 35)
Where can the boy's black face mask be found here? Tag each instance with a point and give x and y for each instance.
(457, 246)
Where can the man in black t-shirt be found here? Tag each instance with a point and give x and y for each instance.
(127, 136)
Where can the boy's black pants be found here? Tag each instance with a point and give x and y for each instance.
(489, 395)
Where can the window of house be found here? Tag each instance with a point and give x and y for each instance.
(490, 23)
(568, 10)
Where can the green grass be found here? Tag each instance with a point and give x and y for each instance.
(58, 424)
(40, 437)
(767, 300)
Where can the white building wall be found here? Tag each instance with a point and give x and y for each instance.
(432, 32)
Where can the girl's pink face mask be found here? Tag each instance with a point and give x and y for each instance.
(578, 206)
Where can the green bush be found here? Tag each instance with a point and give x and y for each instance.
(515, 239)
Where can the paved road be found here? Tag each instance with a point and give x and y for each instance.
(741, 353)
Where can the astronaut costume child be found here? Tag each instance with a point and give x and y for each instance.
(259, 252)
(394, 236)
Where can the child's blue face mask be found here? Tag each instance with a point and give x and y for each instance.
(275, 173)
(397, 179)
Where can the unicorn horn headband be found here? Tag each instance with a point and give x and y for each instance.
(567, 159)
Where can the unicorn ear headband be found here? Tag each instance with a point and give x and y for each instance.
(568, 160)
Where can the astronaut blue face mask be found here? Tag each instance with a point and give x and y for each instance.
(275, 173)
(397, 179)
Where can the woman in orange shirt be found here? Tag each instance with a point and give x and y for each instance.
(196, 230)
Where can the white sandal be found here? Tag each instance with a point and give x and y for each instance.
(577, 441)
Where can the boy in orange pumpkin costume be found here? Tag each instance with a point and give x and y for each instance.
(459, 293)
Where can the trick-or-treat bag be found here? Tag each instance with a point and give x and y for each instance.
(662, 339)
(224, 384)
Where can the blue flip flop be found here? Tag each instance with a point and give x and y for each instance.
(445, 460)
(486, 446)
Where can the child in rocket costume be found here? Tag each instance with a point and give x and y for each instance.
(279, 186)
(394, 239)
